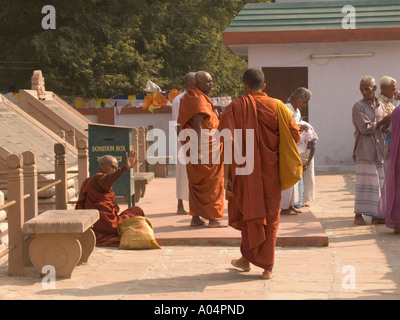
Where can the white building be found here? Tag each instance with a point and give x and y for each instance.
(326, 47)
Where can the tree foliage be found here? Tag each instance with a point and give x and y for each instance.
(101, 48)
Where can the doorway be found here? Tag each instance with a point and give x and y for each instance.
(282, 81)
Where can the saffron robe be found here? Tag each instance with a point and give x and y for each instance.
(96, 193)
(255, 207)
(206, 181)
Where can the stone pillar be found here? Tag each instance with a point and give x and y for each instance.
(37, 80)
(30, 184)
(142, 149)
(70, 138)
(61, 174)
(15, 190)
(3, 214)
(3, 225)
(83, 162)
(31, 188)
(37, 83)
(149, 142)
(135, 138)
(61, 134)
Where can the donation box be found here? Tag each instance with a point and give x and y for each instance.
(115, 141)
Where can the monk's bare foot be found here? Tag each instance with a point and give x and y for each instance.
(359, 220)
(396, 231)
(295, 210)
(216, 224)
(196, 222)
(181, 211)
(288, 212)
(242, 264)
(267, 275)
(377, 221)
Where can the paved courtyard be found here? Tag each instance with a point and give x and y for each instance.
(360, 262)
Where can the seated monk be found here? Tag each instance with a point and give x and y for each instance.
(97, 193)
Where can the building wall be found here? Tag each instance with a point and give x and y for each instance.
(334, 83)
(158, 121)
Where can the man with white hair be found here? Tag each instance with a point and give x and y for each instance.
(388, 87)
(369, 120)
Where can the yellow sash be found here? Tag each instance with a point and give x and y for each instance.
(290, 164)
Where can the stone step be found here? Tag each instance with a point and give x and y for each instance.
(160, 205)
(170, 229)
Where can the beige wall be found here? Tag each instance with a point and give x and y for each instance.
(334, 83)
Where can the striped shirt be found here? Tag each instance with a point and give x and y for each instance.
(369, 141)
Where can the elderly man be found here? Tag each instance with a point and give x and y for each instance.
(388, 87)
(97, 193)
(182, 184)
(254, 198)
(369, 120)
(206, 189)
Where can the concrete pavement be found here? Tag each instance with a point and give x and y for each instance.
(361, 262)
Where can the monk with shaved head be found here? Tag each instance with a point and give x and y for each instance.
(206, 190)
(97, 193)
(254, 198)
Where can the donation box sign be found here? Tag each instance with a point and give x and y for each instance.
(115, 141)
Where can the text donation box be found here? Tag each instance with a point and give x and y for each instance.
(115, 141)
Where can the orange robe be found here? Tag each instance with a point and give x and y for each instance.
(96, 193)
(256, 204)
(206, 181)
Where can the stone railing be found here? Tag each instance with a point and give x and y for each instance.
(22, 197)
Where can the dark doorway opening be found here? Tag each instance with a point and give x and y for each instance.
(282, 81)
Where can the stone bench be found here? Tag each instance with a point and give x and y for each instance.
(62, 239)
(141, 180)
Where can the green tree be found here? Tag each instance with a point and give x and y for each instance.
(101, 47)
(17, 27)
(193, 30)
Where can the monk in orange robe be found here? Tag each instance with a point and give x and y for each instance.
(254, 199)
(97, 193)
(206, 184)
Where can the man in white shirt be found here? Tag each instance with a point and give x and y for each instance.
(182, 188)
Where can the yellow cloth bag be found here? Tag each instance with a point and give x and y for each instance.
(290, 164)
(137, 233)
